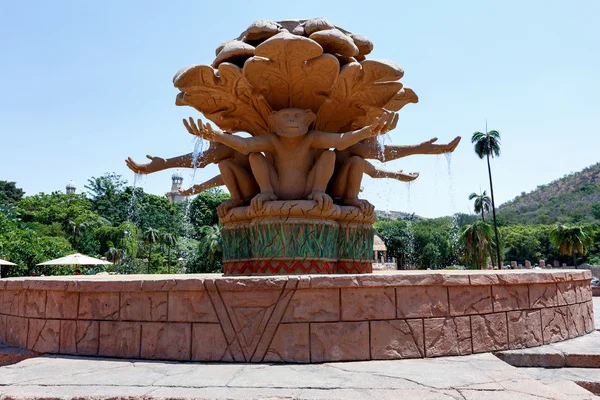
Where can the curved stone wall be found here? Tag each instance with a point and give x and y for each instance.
(295, 318)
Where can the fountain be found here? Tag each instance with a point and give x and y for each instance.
(314, 107)
(300, 88)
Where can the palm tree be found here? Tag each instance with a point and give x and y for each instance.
(571, 239)
(488, 145)
(113, 255)
(151, 236)
(477, 242)
(169, 240)
(211, 242)
(77, 230)
(482, 203)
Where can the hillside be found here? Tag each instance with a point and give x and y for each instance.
(397, 215)
(573, 198)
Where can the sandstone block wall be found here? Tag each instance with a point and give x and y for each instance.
(295, 318)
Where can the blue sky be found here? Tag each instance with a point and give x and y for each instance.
(86, 84)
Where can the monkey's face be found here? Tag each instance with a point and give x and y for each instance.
(292, 122)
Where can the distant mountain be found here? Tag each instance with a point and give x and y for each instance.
(397, 215)
(574, 198)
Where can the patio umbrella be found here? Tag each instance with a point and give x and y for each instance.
(7, 263)
(76, 260)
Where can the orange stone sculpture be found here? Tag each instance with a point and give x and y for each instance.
(314, 106)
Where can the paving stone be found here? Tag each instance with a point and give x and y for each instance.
(12, 355)
(581, 352)
(481, 377)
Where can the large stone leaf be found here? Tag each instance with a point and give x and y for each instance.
(360, 95)
(402, 98)
(223, 96)
(291, 71)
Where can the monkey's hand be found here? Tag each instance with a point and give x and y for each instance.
(205, 131)
(324, 201)
(155, 164)
(431, 147)
(258, 202)
(385, 123)
(187, 192)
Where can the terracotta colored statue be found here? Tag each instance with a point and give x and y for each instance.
(313, 105)
(298, 170)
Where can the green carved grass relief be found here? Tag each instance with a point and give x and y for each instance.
(305, 239)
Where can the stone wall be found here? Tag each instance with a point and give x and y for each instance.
(295, 318)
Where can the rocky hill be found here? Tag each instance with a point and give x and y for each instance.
(396, 215)
(574, 198)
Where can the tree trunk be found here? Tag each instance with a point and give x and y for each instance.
(149, 258)
(169, 256)
(482, 216)
(499, 260)
(574, 258)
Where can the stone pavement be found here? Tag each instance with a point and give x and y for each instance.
(474, 377)
(12, 355)
(581, 352)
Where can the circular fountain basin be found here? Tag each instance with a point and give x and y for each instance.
(300, 319)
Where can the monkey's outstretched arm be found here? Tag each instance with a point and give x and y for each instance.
(254, 144)
(341, 141)
(378, 172)
(373, 151)
(213, 155)
(209, 184)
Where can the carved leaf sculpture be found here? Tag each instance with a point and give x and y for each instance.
(402, 98)
(359, 96)
(291, 71)
(223, 96)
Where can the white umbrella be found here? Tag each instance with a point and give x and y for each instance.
(3, 263)
(76, 260)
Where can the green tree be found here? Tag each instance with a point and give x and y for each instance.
(77, 230)
(169, 240)
(151, 236)
(572, 239)
(56, 207)
(10, 194)
(488, 145)
(203, 210)
(104, 191)
(113, 254)
(398, 238)
(477, 242)
(211, 242)
(430, 256)
(482, 203)
(596, 210)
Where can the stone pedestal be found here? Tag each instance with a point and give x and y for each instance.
(295, 237)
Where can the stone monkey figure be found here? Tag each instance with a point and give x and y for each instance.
(297, 170)
(352, 164)
(232, 164)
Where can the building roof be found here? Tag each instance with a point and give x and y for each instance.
(378, 244)
(177, 175)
